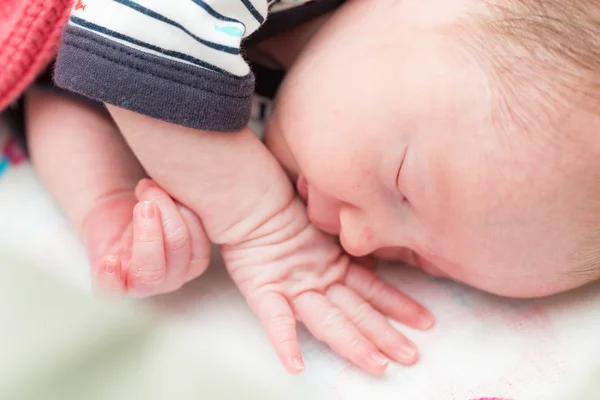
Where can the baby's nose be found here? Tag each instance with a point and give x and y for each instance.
(323, 211)
(357, 237)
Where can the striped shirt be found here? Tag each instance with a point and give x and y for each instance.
(176, 60)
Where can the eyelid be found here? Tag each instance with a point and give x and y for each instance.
(398, 173)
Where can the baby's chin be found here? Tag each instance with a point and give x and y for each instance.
(530, 290)
(410, 258)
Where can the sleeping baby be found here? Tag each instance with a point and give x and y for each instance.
(178, 114)
(463, 141)
(457, 136)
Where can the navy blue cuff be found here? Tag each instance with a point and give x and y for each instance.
(104, 70)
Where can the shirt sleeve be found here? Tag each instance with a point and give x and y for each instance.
(178, 60)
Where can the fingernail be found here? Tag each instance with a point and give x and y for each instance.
(407, 352)
(298, 363)
(426, 321)
(379, 359)
(148, 209)
(110, 265)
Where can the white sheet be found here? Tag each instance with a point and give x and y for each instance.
(482, 347)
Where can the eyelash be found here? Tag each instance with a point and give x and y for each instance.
(397, 181)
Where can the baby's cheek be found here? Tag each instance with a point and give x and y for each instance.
(277, 144)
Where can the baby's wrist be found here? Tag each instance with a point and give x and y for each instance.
(230, 180)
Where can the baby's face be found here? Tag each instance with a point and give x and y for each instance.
(388, 127)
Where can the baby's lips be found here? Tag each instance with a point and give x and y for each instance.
(302, 187)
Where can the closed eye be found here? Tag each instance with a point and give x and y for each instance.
(398, 176)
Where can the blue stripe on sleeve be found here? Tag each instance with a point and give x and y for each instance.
(253, 11)
(162, 18)
(171, 53)
(215, 14)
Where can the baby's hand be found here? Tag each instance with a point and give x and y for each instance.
(163, 248)
(285, 268)
(291, 271)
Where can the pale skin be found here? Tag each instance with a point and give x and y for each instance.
(402, 163)
(94, 177)
(398, 154)
(286, 268)
(144, 239)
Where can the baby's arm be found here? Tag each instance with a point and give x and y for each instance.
(192, 75)
(229, 179)
(185, 67)
(84, 162)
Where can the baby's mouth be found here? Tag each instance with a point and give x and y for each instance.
(397, 254)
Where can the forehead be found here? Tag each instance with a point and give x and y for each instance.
(348, 112)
